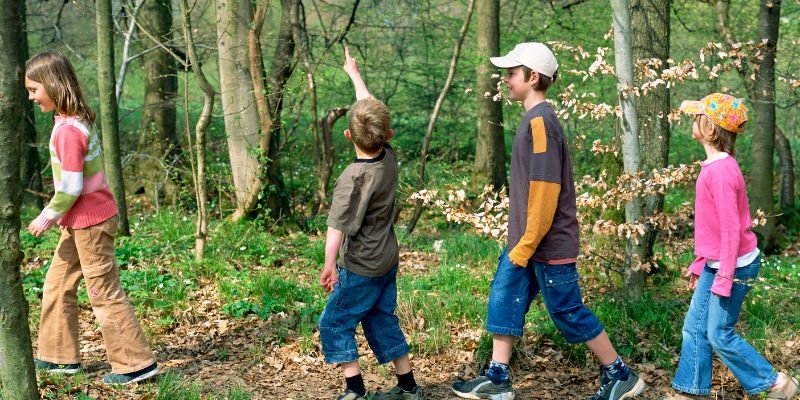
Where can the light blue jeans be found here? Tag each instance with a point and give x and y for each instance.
(709, 329)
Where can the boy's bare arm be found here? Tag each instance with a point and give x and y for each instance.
(351, 67)
(332, 243)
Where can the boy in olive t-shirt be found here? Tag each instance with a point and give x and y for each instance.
(362, 285)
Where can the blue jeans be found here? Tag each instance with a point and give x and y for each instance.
(369, 301)
(514, 288)
(709, 328)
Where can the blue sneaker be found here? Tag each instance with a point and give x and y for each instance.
(617, 389)
(482, 387)
(69, 369)
(114, 378)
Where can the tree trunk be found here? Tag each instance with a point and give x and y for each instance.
(763, 143)
(437, 108)
(327, 152)
(651, 33)
(239, 103)
(201, 232)
(158, 139)
(633, 276)
(277, 200)
(490, 149)
(259, 81)
(17, 377)
(108, 109)
(303, 46)
(787, 169)
(30, 167)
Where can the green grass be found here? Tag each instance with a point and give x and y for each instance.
(273, 276)
(168, 386)
(172, 387)
(64, 385)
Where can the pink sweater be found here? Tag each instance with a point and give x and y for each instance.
(82, 197)
(722, 221)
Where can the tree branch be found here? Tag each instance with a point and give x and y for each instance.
(436, 110)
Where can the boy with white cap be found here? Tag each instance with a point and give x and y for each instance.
(542, 240)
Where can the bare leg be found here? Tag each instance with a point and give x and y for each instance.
(402, 365)
(351, 369)
(501, 348)
(602, 348)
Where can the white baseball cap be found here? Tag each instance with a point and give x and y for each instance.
(535, 56)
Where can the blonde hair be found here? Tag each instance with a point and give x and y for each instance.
(369, 124)
(55, 73)
(720, 138)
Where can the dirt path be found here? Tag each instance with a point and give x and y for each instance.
(219, 353)
(209, 349)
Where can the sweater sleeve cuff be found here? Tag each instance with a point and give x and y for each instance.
(43, 221)
(518, 259)
(697, 266)
(722, 286)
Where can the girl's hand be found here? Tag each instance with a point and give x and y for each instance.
(692, 279)
(40, 225)
(328, 279)
(350, 65)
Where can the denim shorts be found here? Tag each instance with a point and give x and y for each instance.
(369, 301)
(514, 288)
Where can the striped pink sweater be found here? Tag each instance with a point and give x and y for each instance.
(82, 197)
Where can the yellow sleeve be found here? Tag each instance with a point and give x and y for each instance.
(542, 203)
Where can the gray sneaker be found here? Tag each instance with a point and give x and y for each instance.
(350, 395)
(397, 393)
(114, 378)
(615, 389)
(482, 387)
(53, 368)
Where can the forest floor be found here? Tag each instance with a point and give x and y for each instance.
(211, 344)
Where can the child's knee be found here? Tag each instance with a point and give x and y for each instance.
(576, 324)
(721, 339)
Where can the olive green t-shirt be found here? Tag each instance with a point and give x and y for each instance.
(363, 208)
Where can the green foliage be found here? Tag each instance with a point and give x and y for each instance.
(172, 387)
(268, 270)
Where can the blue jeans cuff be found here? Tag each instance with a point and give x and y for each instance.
(393, 353)
(766, 386)
(338, 358)
(688, 390)
(584, 338)
(499, 330)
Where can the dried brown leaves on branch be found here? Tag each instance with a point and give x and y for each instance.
(489, 218)
(603, 238)
(712, 60)
(601, 199)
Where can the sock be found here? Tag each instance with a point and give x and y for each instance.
(497, 372)
(356, 384)
(617, 370)
(406, 381)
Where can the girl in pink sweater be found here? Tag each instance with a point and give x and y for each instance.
(727, 262)
(85, 210)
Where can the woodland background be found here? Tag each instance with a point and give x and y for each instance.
(222, 129)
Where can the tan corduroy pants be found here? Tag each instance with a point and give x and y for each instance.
(89, 254)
